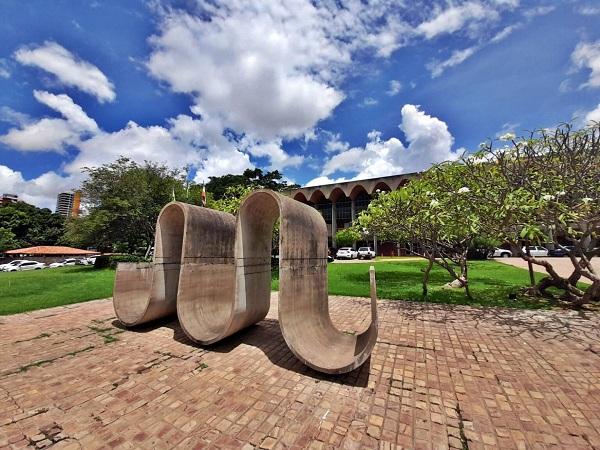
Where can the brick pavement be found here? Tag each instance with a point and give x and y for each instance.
(439, 377)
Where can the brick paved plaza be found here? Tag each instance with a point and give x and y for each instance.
(439, 377)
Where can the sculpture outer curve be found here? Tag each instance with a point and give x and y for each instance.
(303, 297)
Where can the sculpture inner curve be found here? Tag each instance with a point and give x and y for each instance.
(303, 298)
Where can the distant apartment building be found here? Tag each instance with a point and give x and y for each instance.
(68, 204)
(7, 199)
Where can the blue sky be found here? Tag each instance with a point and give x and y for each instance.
(323, 92)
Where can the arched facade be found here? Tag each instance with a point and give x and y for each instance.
(340, 203)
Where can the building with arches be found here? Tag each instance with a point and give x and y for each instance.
(340, 203)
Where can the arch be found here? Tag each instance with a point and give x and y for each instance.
(336, 193)
(382, 186)
(216, 273)
(317, 196)
(299, 196)
(356, 190)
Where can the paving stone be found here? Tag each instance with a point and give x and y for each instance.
(438, 377)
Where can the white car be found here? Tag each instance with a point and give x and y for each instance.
(501, 253)
(346, 253)
(535, 250)
(16, 262)
(26, 265)
(64, 262)
(365, 253)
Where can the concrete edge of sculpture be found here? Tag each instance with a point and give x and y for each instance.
(214, 271)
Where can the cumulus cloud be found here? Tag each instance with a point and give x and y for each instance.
(593, 115)
(429, 142)
(49, 134)
(40, 191)
(395, 88)
(437, 68)
(319, 181)
(456, 17)
(278, 158)
(587, 55)
(68, 69)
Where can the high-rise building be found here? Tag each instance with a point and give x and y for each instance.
(64, 203)
(68, 204)
(7, 199)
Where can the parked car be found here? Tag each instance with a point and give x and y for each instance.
(365, 253)
(346, 253)
(561, 251)
(535, 250)
(64, 262)
(5, 267)
(26, 265)
(501, 253)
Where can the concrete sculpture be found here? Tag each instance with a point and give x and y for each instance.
(215, 272)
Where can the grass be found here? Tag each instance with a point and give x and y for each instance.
(491, 285)
(40, 289)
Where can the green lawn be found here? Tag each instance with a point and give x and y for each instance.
(491, 284)
(39, 289)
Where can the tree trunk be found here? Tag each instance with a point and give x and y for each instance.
(426, 273)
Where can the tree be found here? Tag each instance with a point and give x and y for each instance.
(231, 200)
(8, 240)
(124, 199)
(30, 225)
(347, 236)
(545, 188)
(436, 215)
(251, 178)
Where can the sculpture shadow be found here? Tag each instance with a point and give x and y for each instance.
(266, 336)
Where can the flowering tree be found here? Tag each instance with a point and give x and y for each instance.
(436, 215)
(546, 189)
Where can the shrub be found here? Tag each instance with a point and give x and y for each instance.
(111, 261)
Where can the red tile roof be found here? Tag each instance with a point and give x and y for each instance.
(50, 250)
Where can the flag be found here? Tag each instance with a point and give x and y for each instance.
(173, 193)
(203, 195)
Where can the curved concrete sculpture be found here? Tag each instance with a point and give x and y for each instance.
(186, 237)
(216, 273)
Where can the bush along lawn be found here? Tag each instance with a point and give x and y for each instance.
(491, 283)
(39, 289)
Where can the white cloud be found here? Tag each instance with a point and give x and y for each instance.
(429, 141)
(395, 88)
(587, 55)
(9, 115)
(368, 101)
(50, 134)
(65, 105)
(593, 115)
(505, 32)
(68, 69)
(261, 72)
(539, 11)
(588, 10)
(334, 143)
(456, 17)
(4, 72)
(279, 159)
(458, 56)
(319, 181)
(40, 191)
